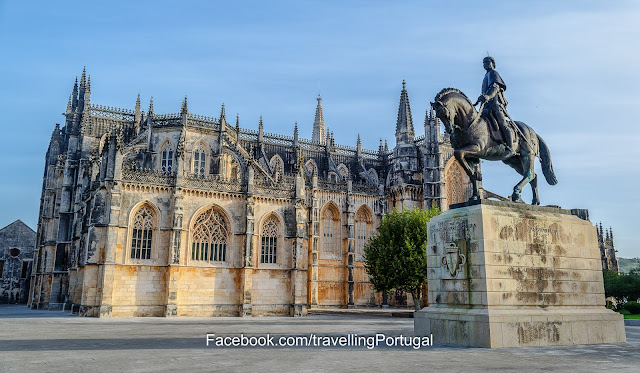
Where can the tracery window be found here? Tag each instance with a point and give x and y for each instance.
(167, 160)
(343, 171)
(269, 241)
(199, 161)
(310, 169)
(364, 229)
(456, 183)
(142, 237)
(277, 166)
(331, 231)
(210, 237)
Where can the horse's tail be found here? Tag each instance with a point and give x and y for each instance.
(545, 159)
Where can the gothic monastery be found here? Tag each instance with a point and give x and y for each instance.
(146, 214)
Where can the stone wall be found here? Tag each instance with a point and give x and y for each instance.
(17, 242)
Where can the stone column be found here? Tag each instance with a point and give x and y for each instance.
(298, 293)
(247, 270)
(173, 268)
(107, 277)
(314, 231)
(351, 247)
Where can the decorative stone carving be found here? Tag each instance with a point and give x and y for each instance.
(453, 259)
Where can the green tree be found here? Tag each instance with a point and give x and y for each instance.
(396, 258)
(623, 287)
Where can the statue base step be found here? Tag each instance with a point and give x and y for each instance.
(503, 327)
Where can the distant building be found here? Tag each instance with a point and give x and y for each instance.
(605, 242)
(607, 249)
(17, 242)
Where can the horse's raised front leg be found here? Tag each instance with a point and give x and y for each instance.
(460, 155)
(528, 174)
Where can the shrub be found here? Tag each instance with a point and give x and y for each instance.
(624, 312)
(632, 307)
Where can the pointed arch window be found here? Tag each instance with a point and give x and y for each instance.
(269, 241)
(167, 160)
(199, 161)
(364, 229)
(142, 238)
(210, 237)
(331, 231)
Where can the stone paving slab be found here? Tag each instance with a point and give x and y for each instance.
(55, 341)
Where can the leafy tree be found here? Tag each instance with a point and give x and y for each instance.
(622, 287)
(396, 258)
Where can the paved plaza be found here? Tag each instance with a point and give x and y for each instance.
(52, 341)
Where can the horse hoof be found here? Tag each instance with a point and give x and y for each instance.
(536, 202)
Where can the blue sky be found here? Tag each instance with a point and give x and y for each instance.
(571, 68)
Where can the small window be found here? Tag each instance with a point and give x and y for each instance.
(199, 161)
(167, 160)
(25, 269)
(1, 267)
(14, 252)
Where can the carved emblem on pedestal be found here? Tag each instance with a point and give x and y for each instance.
(453, 259)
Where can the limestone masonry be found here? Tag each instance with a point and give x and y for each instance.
(146, 214)
(511, 275)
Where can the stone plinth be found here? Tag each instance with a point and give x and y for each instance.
(510, 275)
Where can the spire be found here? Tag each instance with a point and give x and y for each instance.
(83, 77)
(260, 130)
(359, 146)
(83, 85)
(404, 124)
(599, 231)
(238, 123)
(87, 94)
(150, 107)
(611, 234)
(138, 112)
(295, 132)
(318, 135)
(223, 116)
(69, 104)
(74, 93)
(56, 131)
(386, 147)
(184, 109)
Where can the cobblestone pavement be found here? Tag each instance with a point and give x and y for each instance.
(52, 341)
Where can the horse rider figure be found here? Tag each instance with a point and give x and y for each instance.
(495, 106)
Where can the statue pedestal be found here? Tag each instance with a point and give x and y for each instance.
(512, 275)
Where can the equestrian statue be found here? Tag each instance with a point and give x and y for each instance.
(491, 134)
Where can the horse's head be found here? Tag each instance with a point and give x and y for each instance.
(444, 114)
(453, 108)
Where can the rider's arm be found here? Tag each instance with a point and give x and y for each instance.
(491, 92)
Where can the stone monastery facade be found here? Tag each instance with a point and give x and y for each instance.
(146, 214)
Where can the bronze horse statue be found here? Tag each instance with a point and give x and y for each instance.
(471, 142)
